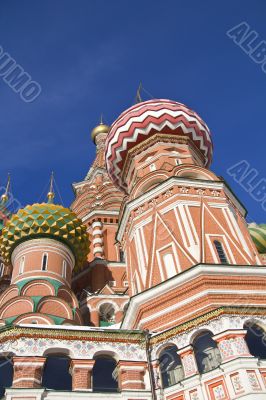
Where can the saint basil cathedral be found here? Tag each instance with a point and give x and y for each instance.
(151, 286)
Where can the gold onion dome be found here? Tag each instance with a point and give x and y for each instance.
(258, 235)
(101, 128)
(45, 220)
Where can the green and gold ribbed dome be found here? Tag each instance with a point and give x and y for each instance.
(258, 234)
(45, 220)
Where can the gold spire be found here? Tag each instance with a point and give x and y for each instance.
(101, 128)
(138, 98)
(4, 197)
(50, 194)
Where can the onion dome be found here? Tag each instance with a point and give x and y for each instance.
(41, 221)
(145, 119)
(101, 128)
(258, 235)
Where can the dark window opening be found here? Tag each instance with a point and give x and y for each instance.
(44, 262)
(256, 340)
(104, 376)
(56, 373)
(6, 374)
(220, 251)
(170, 367)
(107, 314)
(121, 256)
(207, 354)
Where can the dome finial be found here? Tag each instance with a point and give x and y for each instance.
(99, 129)
(50, 194)
(5, 197)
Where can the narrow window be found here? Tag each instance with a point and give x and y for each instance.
(177, 161)
(64, 269)
(1, 270)
(220, 251)
(21, 265)
(44, 262)
(121, 256)
(152, 167)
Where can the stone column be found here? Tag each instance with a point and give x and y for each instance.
(131, 375)
(188, 361)
(28, 372)
(119, 316)
(81, 371)
(97, 240)
(232, 344)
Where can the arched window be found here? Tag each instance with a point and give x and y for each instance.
(107, 314)
(207, 354)
(44, 262)
(6, 375)
(56, 373)
(220, 251)
(104, 375)
(21, 265)
(170, 367)
(64, 269)
(256, 340)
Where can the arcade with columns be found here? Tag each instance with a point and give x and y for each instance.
(150, 286)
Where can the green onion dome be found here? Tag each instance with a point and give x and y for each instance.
(258, 234)
(45, 221)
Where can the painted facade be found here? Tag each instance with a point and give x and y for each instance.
(152, 286)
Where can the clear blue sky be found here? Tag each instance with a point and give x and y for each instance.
(89, 57)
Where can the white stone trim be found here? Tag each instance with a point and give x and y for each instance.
(27, 379)
(185, 277)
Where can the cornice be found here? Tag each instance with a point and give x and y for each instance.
(225, 310)
(185, 276)
(173, 181)
(71, 333)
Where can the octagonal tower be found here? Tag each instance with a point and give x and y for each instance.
(178, 213)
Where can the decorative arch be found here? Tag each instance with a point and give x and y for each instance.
(9, 294)
(16, 306)
(256, 338)
(104, 373)
(68, 296)
(107, 313)
(195, 172)
(38, 287)
(206, 352)
(170, 365)
(148, 182)
(56, 373)
(34, 318)
(55, 306)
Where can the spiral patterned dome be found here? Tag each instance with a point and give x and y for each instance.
(258, 234)
(146, 119)
(45, 220)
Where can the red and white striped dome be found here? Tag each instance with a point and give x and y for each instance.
(144, 120)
